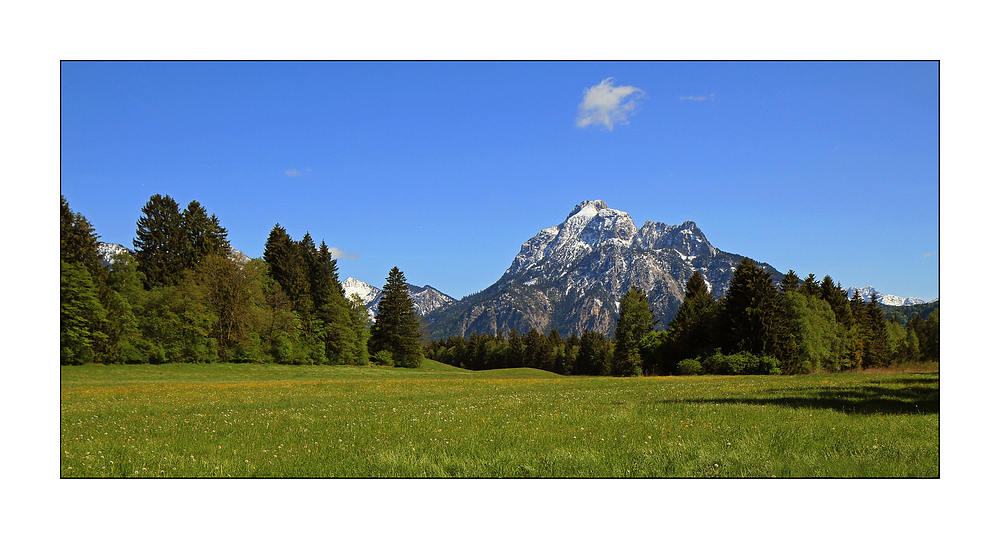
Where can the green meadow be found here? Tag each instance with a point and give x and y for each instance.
(238, 420)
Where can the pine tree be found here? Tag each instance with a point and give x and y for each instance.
(751, 315)
(789, 283)
(77, 239)
(877, 345)
(203, 234)
(397, 325)
(810, 287)
(160, 243)
(692, 329)
(288, 269)
(635, 321)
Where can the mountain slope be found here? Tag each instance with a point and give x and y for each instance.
(425, 299)
(885, 299)
(570, 277)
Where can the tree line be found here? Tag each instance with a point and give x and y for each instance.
(759, 327)
(183, 298)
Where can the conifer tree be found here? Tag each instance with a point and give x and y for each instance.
(285, 263)
(877, 345)
(789, 283)
(77, 239)
(397, 325)
(635, 321)
(751, 317)
(203, 234)
(692, 329)
(810, 287)
(160, 242)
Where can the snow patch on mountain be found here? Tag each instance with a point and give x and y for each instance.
(885, 299)
(425, 300)
(108, 251)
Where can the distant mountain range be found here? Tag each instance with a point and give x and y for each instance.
(885, 299)
(570, 277)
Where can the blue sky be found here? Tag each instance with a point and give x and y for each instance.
(445, 168)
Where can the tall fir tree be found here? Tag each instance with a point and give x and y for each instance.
(691, 331)
(751, 317)
(809, 286)
(203, 234)
(160, 243)
(877, 345)
(635, 321)
(397, 325)
(789, 283)
(77, 240)
(285, 263)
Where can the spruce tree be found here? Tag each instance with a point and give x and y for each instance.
(877, 346)
(789, 283)
(203, 234)
(635, 321)
(397, 325)
(284, 260)
(77, 239)
(751, 317)
(810, 287)
(692, 329)
(160, 243)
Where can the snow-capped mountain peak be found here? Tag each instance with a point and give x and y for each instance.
(885, 299)
(570, 276)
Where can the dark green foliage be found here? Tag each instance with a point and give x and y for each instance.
(77, 239)
(288, 268)
(739, 363)
(687, 367)
(635, 321)
(397, 325)
(789, 283)
(751, 317)
(693, 330)
(203, 234)
(160, 242)
(928, 336)
(810, 287)
(876, 350)
(907, 312)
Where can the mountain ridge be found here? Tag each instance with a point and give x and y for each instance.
(570, 277)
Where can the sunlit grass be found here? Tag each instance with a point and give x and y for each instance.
(278, 421)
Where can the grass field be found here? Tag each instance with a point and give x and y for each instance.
(229, 420)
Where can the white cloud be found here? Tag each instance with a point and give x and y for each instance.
(607, 104)
(697, 97)
(294, 172)
(340, 253)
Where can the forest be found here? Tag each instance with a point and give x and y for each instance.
(796, 327)
(182, 298)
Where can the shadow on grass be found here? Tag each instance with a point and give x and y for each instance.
(909, 396)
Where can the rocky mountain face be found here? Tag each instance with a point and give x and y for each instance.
(570, 277)
(425, 300)
(885, 299)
